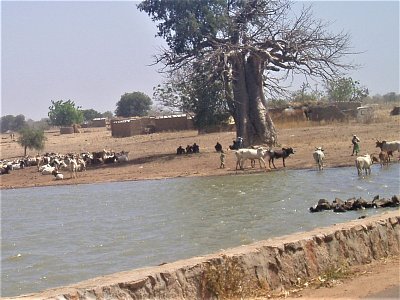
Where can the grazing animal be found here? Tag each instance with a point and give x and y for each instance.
(57, 175)
(284, 153)
(72, 165)
(48, 170)
(243, 154)
(384, 158)
(6, 170)
(388, 146)
(319, 157)
(111, 159)
(123, 156)
(364, 163)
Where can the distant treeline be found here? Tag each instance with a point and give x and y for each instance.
(16, 123)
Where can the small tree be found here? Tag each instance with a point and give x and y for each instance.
(32, 139)
(64, 113)
(133, 104)
(345, 90)
(90, 114)
(107, 114)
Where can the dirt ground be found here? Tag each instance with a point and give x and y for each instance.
(154, 156)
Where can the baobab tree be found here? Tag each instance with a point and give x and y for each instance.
(250, 46)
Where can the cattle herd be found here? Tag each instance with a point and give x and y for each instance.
(55, 163)
(261, 154)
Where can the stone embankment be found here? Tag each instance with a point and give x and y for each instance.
(248, 271)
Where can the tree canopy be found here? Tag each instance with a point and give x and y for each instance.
(136, 104)
(64, 113)
(90, 114)
(31, 138)
(248, 46)
(345, 90)
(13, 123)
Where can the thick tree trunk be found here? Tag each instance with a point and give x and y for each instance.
(253, 122)
(241, 98)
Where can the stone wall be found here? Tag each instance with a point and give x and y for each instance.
(247, 270)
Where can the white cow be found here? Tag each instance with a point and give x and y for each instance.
(364, 163)
(243, 154)
(319, 157)
(388, 146)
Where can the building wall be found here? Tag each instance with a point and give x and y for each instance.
(130, 127)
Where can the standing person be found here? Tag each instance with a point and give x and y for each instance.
(356, 147)
(222, 158)
(239, 142)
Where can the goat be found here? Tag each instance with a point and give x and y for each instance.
(252, 154)
(6, 170)
(364, 163)
(57, 175)
(48, 170)
(72, 165)
(319, 156)
(123, 156)
(284, 153)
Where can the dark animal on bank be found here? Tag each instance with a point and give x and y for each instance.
(284, 153)
(6, 170)
(234, 146)
(384, 158)
(218, 147)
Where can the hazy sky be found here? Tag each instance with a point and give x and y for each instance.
(94, 52)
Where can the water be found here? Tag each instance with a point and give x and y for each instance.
(54, 236)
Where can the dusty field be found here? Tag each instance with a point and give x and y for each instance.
(153, 157)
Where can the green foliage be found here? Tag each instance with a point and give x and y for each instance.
(12, 123)
(32, 138)
(64, 113)
(188, 21)
(90, 114)
(107, 114)
(136, 104)
(43, 124)
(198, 95)
(305, 95)
(391, 97)
(345, 90)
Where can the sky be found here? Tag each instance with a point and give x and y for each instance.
(93, 52)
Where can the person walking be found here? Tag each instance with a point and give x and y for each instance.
(222, 159)
(356, 146)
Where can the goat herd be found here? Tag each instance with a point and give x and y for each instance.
(54, 163)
